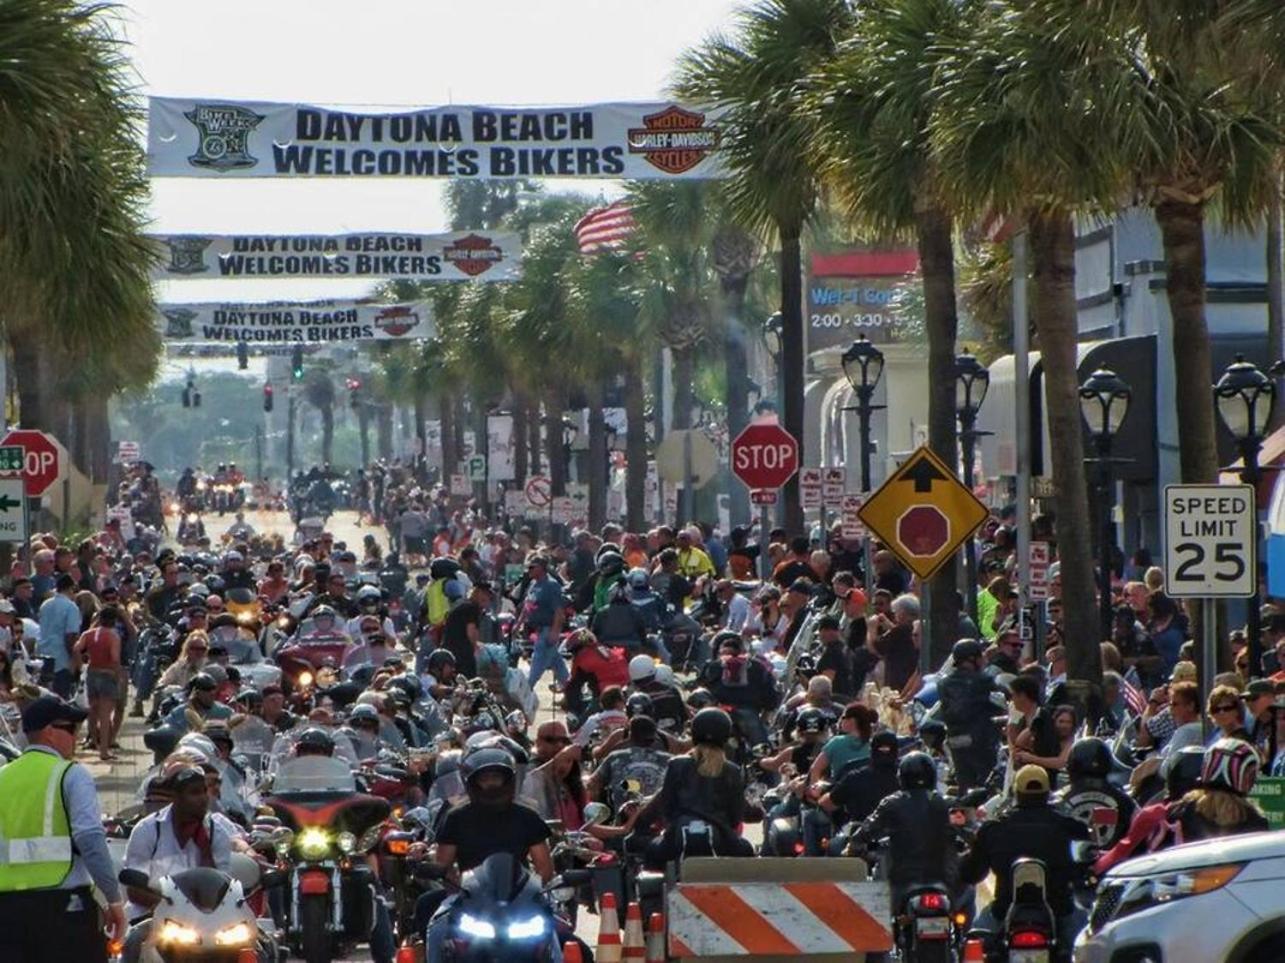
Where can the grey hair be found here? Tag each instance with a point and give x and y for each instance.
(819, 685)
(907, 603)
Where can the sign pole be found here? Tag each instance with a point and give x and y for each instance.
(1021, 416)
(765, 564)
(688, 507)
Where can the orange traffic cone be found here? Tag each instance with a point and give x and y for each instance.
(571, 953)
(608, 950)
(656, 938)
(634, 948)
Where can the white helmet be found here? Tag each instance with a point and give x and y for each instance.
(641, 667)
(665, 675)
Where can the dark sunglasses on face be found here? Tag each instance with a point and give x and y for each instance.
(65, 726)
(1226, 708)
(559, 740)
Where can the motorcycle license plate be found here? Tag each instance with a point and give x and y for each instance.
(933, 927)
(1028, 956)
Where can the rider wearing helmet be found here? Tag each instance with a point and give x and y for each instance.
(739, 679)
(701, 786)
(966, 708)
(619, 622)
(609, 576)
(1219, 805)
(811, 729)
(314, 741)
(593, 664)
(1087, 766)
(666, 703)
(916, 822)
(854, 796)
(370, 603)
(1150, 828)
(199, 707)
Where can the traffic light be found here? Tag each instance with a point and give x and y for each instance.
(354, 386)
(242, 355)
(296, 363)
(187, 396)
(267, 397)
(191, 395)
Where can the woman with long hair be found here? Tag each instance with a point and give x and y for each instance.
(1220, 803)
(191, 660)
(99, 649)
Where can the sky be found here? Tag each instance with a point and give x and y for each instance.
(385, 53)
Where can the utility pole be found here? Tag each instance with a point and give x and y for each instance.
(290, 405)
(258, 452)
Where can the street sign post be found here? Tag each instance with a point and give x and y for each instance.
(539, 492)
(923, 513)
(477, 468)
(850, 517)
(13, 511)
(764, 456)
(1211, 541)
(810, 488)
(127, 452)
(834, 486)
(460, 485)
(764, 496)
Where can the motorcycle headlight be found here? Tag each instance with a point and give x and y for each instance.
(476, 928)
(305, 679)
(234, 935)
(526, 929)
(346, 842)
(172, 932)
(314, 843)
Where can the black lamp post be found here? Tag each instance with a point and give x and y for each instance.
(971, 381)
(863, 366)
(1245, 398)
(1104, 402)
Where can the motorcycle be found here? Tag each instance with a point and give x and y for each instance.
(327, 826)
(925, 925)
(204, 914)
(1029, 933)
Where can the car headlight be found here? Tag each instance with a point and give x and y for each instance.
(172, 932)
(314, 843)
(234, 935)
(526, 929)
(1193, 882)
(346, 841)
(476, 928)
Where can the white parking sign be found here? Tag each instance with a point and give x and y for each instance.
(1211, 540)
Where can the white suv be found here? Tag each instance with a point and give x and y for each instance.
(1216, 900)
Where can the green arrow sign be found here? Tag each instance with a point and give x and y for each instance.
(11, 458)
(7, 503)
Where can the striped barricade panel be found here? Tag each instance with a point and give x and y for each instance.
(794, 919)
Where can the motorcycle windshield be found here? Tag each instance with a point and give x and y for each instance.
(313, 774)
(204, 888)
(253, 736)
(497, 880)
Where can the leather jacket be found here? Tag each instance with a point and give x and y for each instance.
(921, 845)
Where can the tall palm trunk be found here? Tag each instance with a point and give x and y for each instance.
(384, 430)
(554, 452)
(1276, 294)
(635, 445)
(533, 437)
(32, 376)
(291, 405)
(421, 415)
(737, 392)
(597, 454)
(519, 440)
(684, 371)
(934, 229)
(100, 455)
(1053, 247)
(792, 365)
(450, 453)
(363, 431)
(327, 433)
(1182, 229)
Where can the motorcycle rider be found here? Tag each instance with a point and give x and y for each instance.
(667, 706)
(595, 664)
(199, 707)
(966, 707)
(1087, 767)
(860, 790)
(1032, 828)
(633, 771)
(1220, 803)
(739, 680)
(620, 623)
(811, 729)
(702, 786)
(1150, 828)
(235, 574)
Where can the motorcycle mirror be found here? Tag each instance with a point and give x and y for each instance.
(596, 813)
(573, 877)
(137, 879)
(273, 879)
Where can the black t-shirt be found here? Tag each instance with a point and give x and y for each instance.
(455, 635)
(901, 658)
(1045, 741)
(477, 832)
(835, 657)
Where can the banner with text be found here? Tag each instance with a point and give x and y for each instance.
(282, 323)
(460, 256)
(219, 138)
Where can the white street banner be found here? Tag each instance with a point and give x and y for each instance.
(284, 323)
(457, 256)
(220, 138)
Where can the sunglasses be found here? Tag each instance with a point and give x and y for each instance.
(65, 726)
(560, 740)
(1229, 708)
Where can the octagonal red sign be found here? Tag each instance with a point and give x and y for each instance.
(765, 456)
(923, 530)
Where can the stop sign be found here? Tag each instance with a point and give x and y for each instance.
(923, 530)
(40, 463)
(765, 456)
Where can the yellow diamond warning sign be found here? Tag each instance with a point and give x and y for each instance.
(923, 513)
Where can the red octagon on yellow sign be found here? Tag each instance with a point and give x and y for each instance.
(923, 530)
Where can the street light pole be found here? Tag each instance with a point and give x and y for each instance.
(1245, 398)
(1104, 402)
(863, 367)
(971, 381)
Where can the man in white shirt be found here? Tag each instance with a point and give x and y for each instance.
(736, 607)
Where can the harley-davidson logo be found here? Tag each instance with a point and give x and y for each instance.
(178, 323)
(224, 131)
(674, 140)
(397, 320)
(473, 254)
(187, 255)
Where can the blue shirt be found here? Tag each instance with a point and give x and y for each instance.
(59, 617)
(843, 751)
(543, 599)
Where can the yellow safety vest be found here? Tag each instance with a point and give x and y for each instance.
(436, 604)
(35, 831)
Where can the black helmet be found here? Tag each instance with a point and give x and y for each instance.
(700, 699)
(1183, 771)
(215, 584)
(490, 759)
(883, 749)
(202, 681)
(161, 740)
(932, 733)
(1090, 758)
(441, 568)
(727, 637)
(638, 704)
(605, 548)
(314, 741)
(409, 683)
(966, 650)
(917, 771)
(439, 659)
(610, 563)
(711, 727)
(811, 719)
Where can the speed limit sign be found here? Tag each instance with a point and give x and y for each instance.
(1211, 541)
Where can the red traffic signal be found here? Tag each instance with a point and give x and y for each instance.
(267, 397)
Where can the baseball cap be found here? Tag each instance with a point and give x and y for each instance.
(1254, 689)
(6, 607)
(827, 622)
(802, 585)
(1031, 780)
(48, 709)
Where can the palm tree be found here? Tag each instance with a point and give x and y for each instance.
(319, 391)
(873, 103)
(754, 77)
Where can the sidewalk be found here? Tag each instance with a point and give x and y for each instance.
(118, 781)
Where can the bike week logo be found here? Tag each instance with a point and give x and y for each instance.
(674, 140)
(397, 320)
(224, 131)
(178, 322)
(187, 255)
(473, 254)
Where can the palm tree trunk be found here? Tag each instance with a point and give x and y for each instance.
(26, 374)
(77, 440)
(738, 384)
(1053, 247)
(519, 441)
(100, 455)
(533, 436)
(792, 403)
(421, 415)
(450, 454)
(1276, 295)
(937, 265)
(290, 430)
(597, 455)
(635, 445)
(384, 429)
(554, 451)
(327, 433)
(363, 430)
(1182, 228)
(684, 370)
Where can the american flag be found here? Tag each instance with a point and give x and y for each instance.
(1134, 698)
(605, 228)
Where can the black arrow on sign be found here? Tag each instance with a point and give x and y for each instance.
(923, 473)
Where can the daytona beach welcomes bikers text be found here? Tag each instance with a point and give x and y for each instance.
(287, 326)
(485, 126)
(357, 255)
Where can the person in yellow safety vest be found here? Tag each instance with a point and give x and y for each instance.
(53, 850)
(693, 562)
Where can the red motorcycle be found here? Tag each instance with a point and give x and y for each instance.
(327, 829)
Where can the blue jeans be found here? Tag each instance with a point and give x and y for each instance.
(816, 827)
(545, 656)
